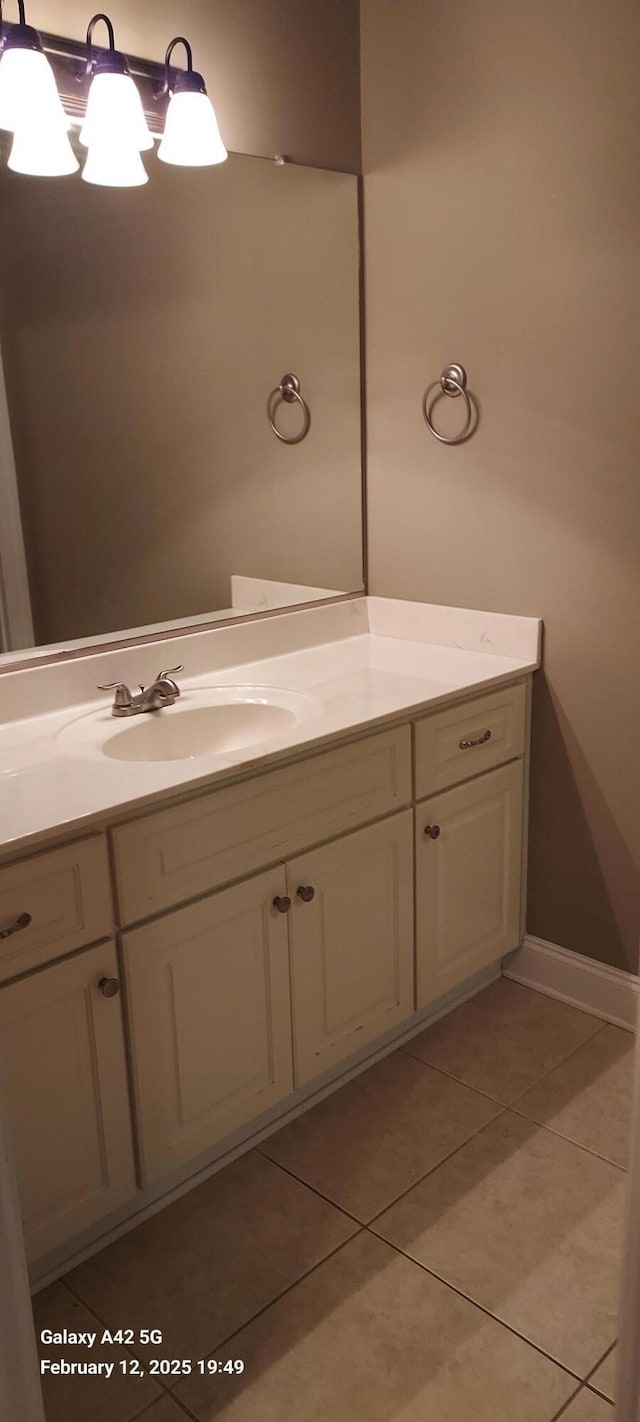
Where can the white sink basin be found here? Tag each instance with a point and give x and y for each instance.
(209, 721)
(205, 730)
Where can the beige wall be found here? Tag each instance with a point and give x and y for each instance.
(502, 154)
(283, 74)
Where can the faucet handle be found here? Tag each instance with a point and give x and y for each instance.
(169, 672)
(123, 696)
(167, 679)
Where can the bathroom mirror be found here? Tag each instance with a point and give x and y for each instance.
(141, 332)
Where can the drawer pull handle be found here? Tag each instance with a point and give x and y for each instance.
(480, 741)
(23, 921)
(109, 987)
(306, 892)
(282, 903)
(432, 831)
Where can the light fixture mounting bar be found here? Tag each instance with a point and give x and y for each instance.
(68, 59)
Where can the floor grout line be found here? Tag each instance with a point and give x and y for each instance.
(166, 1389)
(588, 1380)
(140, 1358)
(364, 1229)
(502, 1107)
(298, 1178)
(432, 1169)
(601, 1360)
(425, 1270)
(364, 1224)
(450, 1077)
(461, 1082)
(481, 1307)
(146, 1412)
(543, 1126)
(565, 1407)
(276, 1298)
(550, 997)
(592, 1036)
(595, 1392)
(164, 1386)
(181, 1406)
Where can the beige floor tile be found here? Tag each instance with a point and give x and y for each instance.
(379, 1134)
(588, 1097)
(75, 1399)
(504, 1039)
(203, 1266)
(588, 1408)
(370, 1336)
(529, 1226)
(604, 1378)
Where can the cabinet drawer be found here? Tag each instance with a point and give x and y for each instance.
(177, 854)
(66, 895)
(455, 744)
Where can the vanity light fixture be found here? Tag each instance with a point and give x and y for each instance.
(191, 134)
(30, 106)
(114, 130)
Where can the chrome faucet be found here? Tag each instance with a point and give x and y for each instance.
(162, 692)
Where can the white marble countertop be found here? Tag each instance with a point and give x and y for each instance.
(359, 665)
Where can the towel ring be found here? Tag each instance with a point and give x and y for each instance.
(453, 381)
(288, 391)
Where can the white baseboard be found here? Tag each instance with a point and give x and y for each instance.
(594, 987)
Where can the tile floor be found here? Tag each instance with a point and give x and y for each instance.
(440, 1239)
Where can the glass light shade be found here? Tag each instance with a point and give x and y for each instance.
(115, 114)
(42, 152)
(114, 165)
(191, 134)
(28, 92)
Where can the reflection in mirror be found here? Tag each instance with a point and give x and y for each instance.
(142, 332)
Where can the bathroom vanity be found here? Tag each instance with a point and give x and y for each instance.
(191, 949)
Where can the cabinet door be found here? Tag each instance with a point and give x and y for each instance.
(351, 943)
(208, 993)
(64, 1078)
(468, 866)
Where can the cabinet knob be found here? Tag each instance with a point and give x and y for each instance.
(109, 987)
(306, 892)
(432, 831)
(282, 903)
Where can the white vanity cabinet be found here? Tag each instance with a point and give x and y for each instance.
(469, 839)
(210, 1019)
(468, 877)
(326, 940)
(351, 939)
(64, 1082)
(274, 932)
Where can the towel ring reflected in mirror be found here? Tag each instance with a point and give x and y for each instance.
(288, 392)
(453, 382)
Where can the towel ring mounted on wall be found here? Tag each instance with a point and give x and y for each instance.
(453, 381)
(288, 391)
